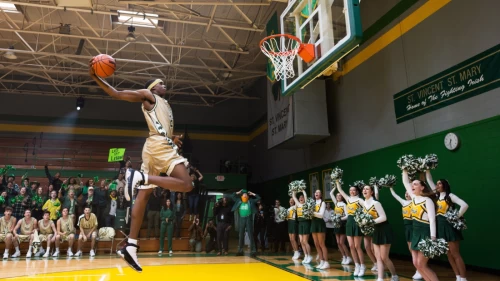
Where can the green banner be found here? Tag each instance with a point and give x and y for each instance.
(470, 78)
(116, 154)
(272, 28)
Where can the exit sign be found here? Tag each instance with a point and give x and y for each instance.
(220, 178)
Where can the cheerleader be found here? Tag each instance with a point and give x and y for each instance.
(292, 229)
(367, 239)
(382, 234)
(353, 232)
(304, 226)
(445, 230)
(318, 230)
(423, 213)
(340, 209)
(407, 203)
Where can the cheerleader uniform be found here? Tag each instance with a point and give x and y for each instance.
(407, 220)
(382, 233)
(318, 225)
(292, 224)
(352, 228)
(423, 221)
(304, 224)
(339, 210)
(445, 229)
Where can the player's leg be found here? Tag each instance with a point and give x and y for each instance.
(179, 180)
(129, 250)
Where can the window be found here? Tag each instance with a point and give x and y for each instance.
(138, 18)
(8, 7)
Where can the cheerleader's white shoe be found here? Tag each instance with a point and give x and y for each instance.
(417, 276)
(356, 270)
(326, 265)
(362, 270)
(348, 260)
(374, 268)
(46, 255)
(394, 278)
(320, 264)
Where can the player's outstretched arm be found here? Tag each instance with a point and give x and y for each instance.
(126, 95)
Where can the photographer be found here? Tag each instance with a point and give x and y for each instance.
(211, 240)
(195, 236)
(224, 217)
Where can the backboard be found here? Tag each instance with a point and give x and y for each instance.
(333, 26)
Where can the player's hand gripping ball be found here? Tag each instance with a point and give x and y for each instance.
(103, 65)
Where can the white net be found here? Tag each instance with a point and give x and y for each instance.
(281, 54)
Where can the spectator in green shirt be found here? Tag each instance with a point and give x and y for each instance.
(244, 210)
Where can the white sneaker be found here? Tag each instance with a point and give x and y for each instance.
(78, 254)
(69, 253)
(362, 270)
(296, 256)
(374, 268)
(320, 264)
(309, 260)
(28, 254)
(5, 256)
(394, 278)
(417, 276)
(16, 254)
(40, 252)
(134, 179)
(356, 270)
(343, 260)
(348, 260)
(92, 253)
(55, 255)
(326, 265)
(46, 255)
(170, 252)
(160, 252)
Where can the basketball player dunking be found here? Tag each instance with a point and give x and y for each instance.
(159, 155)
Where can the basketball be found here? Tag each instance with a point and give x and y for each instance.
(104, 65)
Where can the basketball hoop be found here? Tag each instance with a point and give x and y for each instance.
(283, 54)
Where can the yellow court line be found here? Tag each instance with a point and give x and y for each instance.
(419, 15)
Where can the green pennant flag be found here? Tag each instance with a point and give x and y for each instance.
(116, 154)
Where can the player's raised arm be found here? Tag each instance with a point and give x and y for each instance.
(126, 95)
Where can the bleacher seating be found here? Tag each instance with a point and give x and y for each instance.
(78, 155)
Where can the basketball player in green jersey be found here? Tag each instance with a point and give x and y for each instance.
(159, 155)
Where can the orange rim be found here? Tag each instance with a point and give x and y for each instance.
(281, 35)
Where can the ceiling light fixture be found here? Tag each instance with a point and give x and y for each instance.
(9, 54)
(130, 36)
(80, 102)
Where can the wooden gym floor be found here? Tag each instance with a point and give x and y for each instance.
(187, 266)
